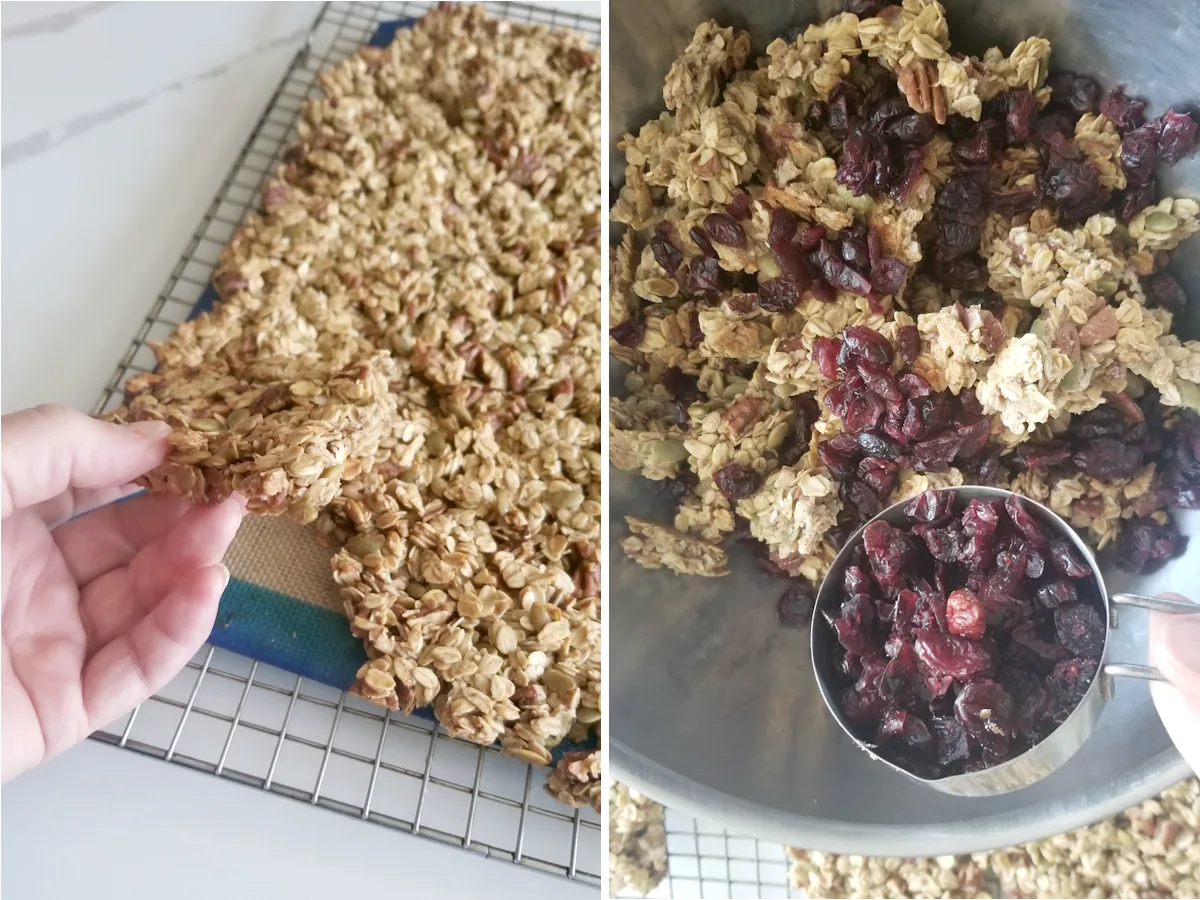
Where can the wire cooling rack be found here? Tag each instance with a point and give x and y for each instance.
(704, 860)
(248, 722)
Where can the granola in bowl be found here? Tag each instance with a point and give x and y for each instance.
(863, 265)
(407, 353)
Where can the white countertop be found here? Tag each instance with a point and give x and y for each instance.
(119, 123)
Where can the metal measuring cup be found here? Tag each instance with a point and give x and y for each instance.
(1044, 757)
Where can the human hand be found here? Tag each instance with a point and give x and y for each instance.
(1175, 651)
(99, 610)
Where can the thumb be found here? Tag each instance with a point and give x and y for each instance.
(1174, 648)
(52, 448)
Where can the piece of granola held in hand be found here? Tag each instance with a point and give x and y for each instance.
(282, 432)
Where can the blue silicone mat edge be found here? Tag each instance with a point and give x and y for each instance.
(298, 637)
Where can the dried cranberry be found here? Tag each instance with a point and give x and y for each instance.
(1135, 199)
(903, 726)
(934, 454)
(1021, 108)
(1026, 635)
(931, 507)
(862, 343)
(1163, 290)
(957, 657)
(866, 166)
(629, 333)
(842, 99)
(795, 606)
(681, 486)
(950, 740)
(704, 275)
(1140, 153)
(1078, 93)
(1080, 629)
(879, 475)
(966, 273)
(983, 707)
(1024, 520)
(1178, 136)
(1030, 699)
(795, 445)
(1069, 683)
(1011, 204)
(908, 342)
(725, 229)
(945, 544)
(666, 254)
(965, 615)
(739, 206)
(889, 550)
(1143, 544)
(1041, 454)
(1057, 593)
(825, 354)
(858, 409)
(858, 495)
(737, 482)
(679, 385)
(888, 274)
(976, 150)
(864, 9)
(778, 294)
(1125, 112)
(1074, 185)
(842, 276)
(1067, 560)
(1108, 458)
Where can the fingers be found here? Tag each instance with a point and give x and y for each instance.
(1174, 647)
(116, 600)
(77, 502)
(111, 537)
(134, 665)
(1175, 650)
(52, 448)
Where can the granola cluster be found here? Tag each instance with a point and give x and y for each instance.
(998, 226)
(407, 352)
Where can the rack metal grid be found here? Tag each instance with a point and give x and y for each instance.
(250, 723)
(705, 861)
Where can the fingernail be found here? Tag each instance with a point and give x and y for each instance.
(224, 570)
(151, 429)
(1181, 643)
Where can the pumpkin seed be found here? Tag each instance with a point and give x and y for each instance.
(1189, 394)
(1134, 386)
(669, 451)
(734, 389)
(1073, 378)
(778, 435)
(662, 287)
(1107, 286)
(587, 715)
(237, 417)
(1038, 329)
(768, 267)
(361, 545)
(208, 425)
(1161, 222)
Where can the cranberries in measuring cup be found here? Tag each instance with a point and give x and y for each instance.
(963, 635)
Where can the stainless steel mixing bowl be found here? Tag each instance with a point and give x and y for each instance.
(713, 706)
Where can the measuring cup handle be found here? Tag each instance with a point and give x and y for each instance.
(1157, 604)
(1129, 670)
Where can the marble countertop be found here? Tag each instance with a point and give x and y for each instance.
(120, 121)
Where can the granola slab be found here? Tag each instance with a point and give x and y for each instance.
(407, 351)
